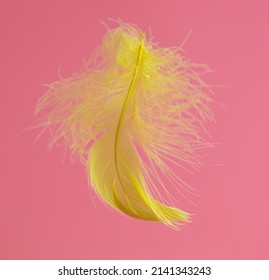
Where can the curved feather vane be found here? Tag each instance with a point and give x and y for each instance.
(132, 118)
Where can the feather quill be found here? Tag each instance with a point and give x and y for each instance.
(138, 112)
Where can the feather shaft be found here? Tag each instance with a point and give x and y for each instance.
(125, 104)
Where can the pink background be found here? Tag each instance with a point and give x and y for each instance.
(46, 211)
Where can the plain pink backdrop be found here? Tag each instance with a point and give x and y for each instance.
(46, 211)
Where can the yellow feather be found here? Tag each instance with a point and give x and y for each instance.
(131, 118)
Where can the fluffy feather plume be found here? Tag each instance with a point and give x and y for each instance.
(132, 118)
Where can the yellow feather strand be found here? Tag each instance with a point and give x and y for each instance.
(132, 120)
